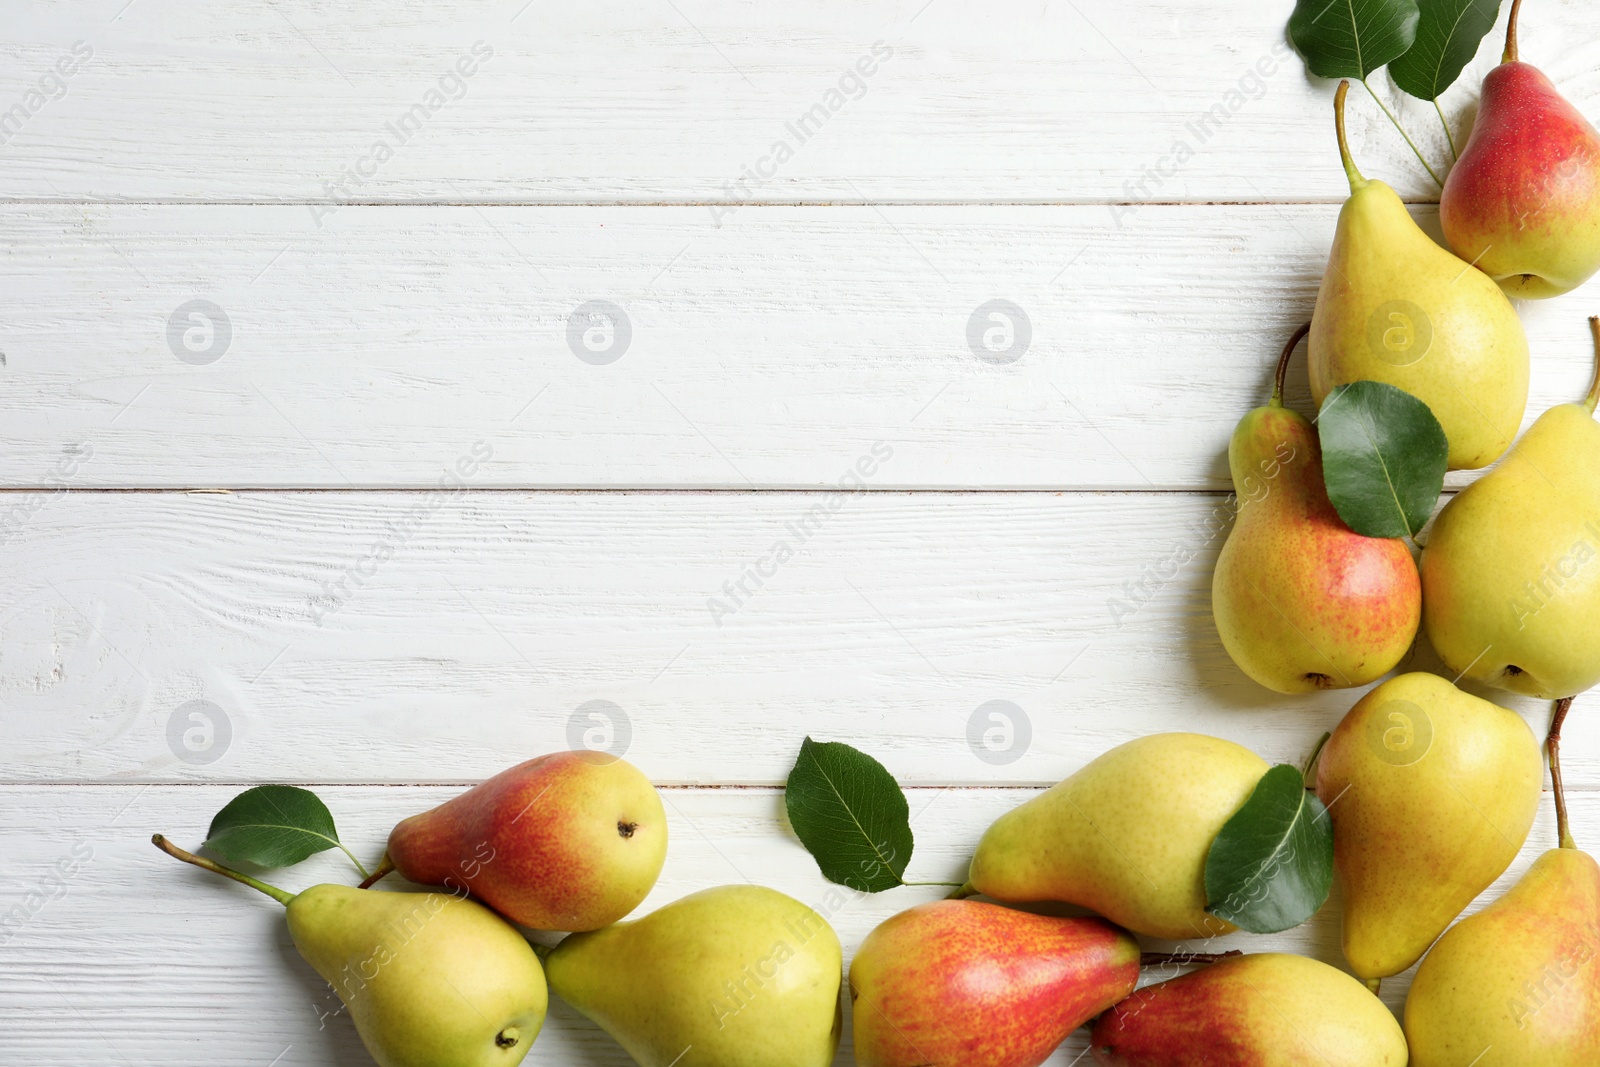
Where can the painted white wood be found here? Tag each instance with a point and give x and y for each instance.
(771, 352)
(134, 958)
(1006, 100)
(398, 637)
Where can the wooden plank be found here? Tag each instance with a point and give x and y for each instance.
(133, 958)
(1138, 101)
(404, 637)
(773, 352)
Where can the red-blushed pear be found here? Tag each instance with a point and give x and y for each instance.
(569, 841)
(1264, 1010)
(1523, 201)
(970, 983)
(1301, 601)
(1519, 982)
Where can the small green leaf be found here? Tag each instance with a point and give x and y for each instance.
(272, 826)
(1271, 866)
(1352, 38)
(1448, 35)
(1384, 457)
(851, 815)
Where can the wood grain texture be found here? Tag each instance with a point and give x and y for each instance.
(401, 637)
(1004, 101)
(771, 352)
(135, 958)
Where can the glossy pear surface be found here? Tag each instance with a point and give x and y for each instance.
(1432, 792)
(1523, 201)
(1301, 601)
(1511, 573)
(430, 980)
(738, 976)
(1264, 1010)
(1395, 307)
(568, 841)
(1127, 836)
(1519, 982)
(961, 981)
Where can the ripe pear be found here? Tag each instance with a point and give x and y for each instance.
(1303, 602)
(1519, 982)
(961, 981)
(1264, 1010)
(738, 976)
(430, 980)
(1395, 307)
(1432, 792)
(568, 841)
(1127, 836)
(1510, 575)
(1523, 201)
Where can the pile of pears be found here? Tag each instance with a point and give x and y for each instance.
(1432, 791)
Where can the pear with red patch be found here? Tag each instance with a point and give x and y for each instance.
(1301, 601)
(1265, 1010)
(1523, 202)
(970, 983)
(569, 841)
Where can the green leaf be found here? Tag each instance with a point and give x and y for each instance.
(1383, 453)
(1448, 35)
(1271, 866)
(851, 815)
(272, 826)
(1352, 38)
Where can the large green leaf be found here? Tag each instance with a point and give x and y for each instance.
(1271, 866)
(272, 826)
(1384, 457)
(851, 815)
(1448, 36)
(1352, 38)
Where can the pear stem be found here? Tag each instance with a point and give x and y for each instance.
(1283, 364)
(1448, 136)
(385, 866)
(1594, 389)
(1158, 959)
(1510, 55)
(170, 849)
(1356, 180)
(1414, 149)
(1553, 743)
(963, 893)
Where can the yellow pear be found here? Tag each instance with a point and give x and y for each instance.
(1126, 836)
(736, 976)
(1511, 572)
(1301, 601)
(1432, 792)
(1395, 307)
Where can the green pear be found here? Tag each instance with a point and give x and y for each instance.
(738, 976)
(1127, 836)
(1511, 571)
(1265, 1010)
(1432, 792)
(1395, 307)
(1519, 982)
(430, 980)
(1301, 601)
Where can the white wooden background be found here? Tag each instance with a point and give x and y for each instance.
(1041, 532)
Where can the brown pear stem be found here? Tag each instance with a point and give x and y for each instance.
(1356, 180)
(1594, 387)
(1158, 959)
(1510, 55)
(216, 868)
(1553, 743)
(1283, 364)
(385, 866)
